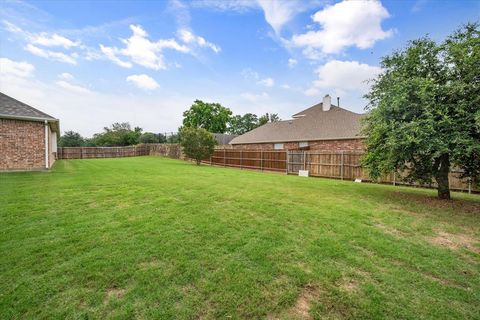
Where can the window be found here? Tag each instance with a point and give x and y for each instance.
(303, 144)
(278, 146)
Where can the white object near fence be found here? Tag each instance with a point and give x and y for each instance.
(303, 173)
(358, 180)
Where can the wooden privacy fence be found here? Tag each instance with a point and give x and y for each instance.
(337, 165)
(170, 150)
(250, 159)
(102, 152)
(347, 166)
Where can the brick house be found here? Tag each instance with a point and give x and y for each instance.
(28, 137)
(323, 127)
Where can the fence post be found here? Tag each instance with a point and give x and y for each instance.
(211, 160)
(261, 160)
(286, 162)
(224, 157)
(395, 178)
(304, 160)
(81, 152)
(469, 185)
(241, 159)
(341, 166)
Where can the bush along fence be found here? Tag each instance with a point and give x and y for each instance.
(337, 165)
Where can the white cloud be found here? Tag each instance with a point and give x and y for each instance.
(188, 37)
(110, 53)
(142, 51)
(267, 82)
(419, 5)
(342, 77)
(52, 40)
(285, 86)
(66, 76)
(72, 87)
(347, 23)
(249, 73)
(44, 39)
(277, 13)
(143, 81)
(51, 55)
(292, 63)
(14, 68)
(230, 5)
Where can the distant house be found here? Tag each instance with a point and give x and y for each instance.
(28, 137)
(323, 127)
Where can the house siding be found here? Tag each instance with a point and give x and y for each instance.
(22, 145)
(318, 145)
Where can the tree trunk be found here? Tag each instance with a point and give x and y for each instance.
(441, 176)
(198, 161)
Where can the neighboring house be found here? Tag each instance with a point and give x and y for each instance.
(323, 127)
(28, 137)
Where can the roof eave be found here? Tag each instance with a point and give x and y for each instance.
(298, 140)
(15, 117)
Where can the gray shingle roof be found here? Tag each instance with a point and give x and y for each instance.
(14, 109)
(308, 125)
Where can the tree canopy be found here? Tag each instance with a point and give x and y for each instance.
(71, 139)
(241, 124)
(150, 137)
(212, 117)
(197, 143)
(424, 111)
(119, 134)
(272, 117)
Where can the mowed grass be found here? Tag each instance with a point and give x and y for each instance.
(150, 237)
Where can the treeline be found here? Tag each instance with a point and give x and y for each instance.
(118, 134)
(212, 117)
(216, 118)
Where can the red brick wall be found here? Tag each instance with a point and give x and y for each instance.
(22, 145)
(321, 145)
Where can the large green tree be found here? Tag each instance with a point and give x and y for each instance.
(71, 139)
(240, 124)
(197, 143)
(424, 111)
(212, 117)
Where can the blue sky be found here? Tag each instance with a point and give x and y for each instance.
(94, 63)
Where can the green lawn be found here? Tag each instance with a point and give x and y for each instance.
(149, 237)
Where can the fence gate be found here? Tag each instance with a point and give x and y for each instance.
(296, 161)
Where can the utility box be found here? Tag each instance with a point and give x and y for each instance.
(303, 173)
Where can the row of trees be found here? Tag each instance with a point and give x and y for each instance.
(216, 118)
(213, 117)
(118, 134)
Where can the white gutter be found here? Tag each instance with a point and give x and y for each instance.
(46, 144)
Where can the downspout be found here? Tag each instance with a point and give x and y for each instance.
(46, 144)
